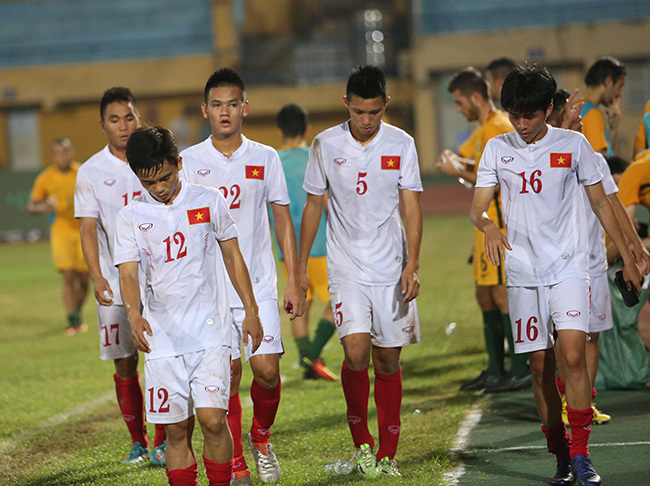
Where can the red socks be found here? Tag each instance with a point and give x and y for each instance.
(388, 399)
(219, 474)
(131, 402)
(580, 421)
(356, 388)
(561, 386)
(265, 406)
(234, 423)
(183, 477)
(558, 440)
(160, 436)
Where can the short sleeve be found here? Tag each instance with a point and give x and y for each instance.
(315, 180)
(609, 185)
(277, 183)
(409, 178)
(593, 127)
(125, 244)
(588, 169)
(85, 202)
(224, 224)
(630, 183)
(468, 147)
(39, 191)
(486, 175)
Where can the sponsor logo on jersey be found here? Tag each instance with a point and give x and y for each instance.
(394, 429)
(255, 172)
(407, 329)
(506, 159)
(198, 216)
(561, 160)
(602, 317)
(353, 420)
(144, 227)
(340, 161)
(573, 313)
(212, 388)
(203, 172)
(109, 182)
(268, 339)
(390, 162)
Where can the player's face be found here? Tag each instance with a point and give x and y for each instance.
(613, 90)
(365, 115)
(120, 120)
(225, 110)
(494, 87)
(163, 184)
(531, 127)
(465, 106)
(63, 156)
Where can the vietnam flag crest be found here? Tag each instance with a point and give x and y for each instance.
(255, 172)
(390, 162)
(561, 160)
(198, 216)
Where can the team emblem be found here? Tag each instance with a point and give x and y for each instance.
(506, 159)
(129, 418)
(390, 162)
(268, 339)
(394, 429)
(212, 389)
(407, 329)
(255, 172)
(144, 227)
(562, 160)
(339, 161)
(198, 216)
(573, 313)
(203, 172)
(354, 420)
(109, 182)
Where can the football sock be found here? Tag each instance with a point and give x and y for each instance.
(219, 474)
(356, 388)
(303, 347)
(160, 436)
(234, 423)
(493, 332)
(561, 386)
(580, 422)
(518, 362)
(558, 440)
(265, 406)
(323, 333)
(183, 477)
(74, 320)
(388, 399)
(131, 402)
(593, 393)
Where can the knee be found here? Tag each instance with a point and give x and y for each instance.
(214, 425)
(127, 368)
(267, 378)
(357, 360)
(176, 433)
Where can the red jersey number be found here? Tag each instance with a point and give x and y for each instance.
(162, 398)
(234, 192)
(111, 335)
(535, 182)
(125, 197)
(362, 186)
(531, 330)
(179, 243)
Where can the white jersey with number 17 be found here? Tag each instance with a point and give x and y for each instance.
(365, 237)
(542, 203)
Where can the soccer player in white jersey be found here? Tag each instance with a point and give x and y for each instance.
(250, 175)
(177, 235)
(364, 165)
(105, 184)
(540, 170)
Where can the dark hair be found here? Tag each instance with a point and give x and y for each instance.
(617, 165)
(501, 67)
(560, 98)
(366, 82)
(469, 80)
(603, 67)
(149, 147)
(224, 78)
(116, 94)
(528, 89)
(292, 120)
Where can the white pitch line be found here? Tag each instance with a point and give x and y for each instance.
(8, 444)
(470, 421)
(528, 448)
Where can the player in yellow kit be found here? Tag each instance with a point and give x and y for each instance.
(53, 192)
(643, 134)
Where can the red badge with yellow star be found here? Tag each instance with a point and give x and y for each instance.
(390, 162)
(198, 216)
(255, 172)
(561, 160)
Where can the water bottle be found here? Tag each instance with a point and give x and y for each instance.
(339, 467)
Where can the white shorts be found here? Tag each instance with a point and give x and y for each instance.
(115, 341)
(176, 385)
(271, 343)
(601, 305)
(377, 310)
(535, 312)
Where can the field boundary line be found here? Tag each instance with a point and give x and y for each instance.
(471, 420)
(528, 448)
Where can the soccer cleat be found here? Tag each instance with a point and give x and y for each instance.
(563, 474)
(137, 454)
(268, 468)
(509, 382)
(584, 471)
(71, 331)
(565, 415)
(387, 467)
(364, 461)
(599, 417)
(158, 456)
(81, 327)
(479, 382)
(241, 478)
(322, 371)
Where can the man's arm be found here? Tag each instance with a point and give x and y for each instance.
(130, 288)
(605, 213)
(640, 253)
(413, 224)
(90, 248)
(42, 206)
(240, 278)
(311, 215)
(454, 165)
(495, 241)
(294, 298)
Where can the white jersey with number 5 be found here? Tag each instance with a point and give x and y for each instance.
(365, 237)
(542, 203)
(185, 290)
(249, 179)
(105, 184)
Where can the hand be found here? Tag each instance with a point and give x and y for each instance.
(103, 292)
(446, 165)
(613, 113)
(495, 244)
(294, 301)
(569, 116)
(140, 326)
(252, 326)
(632, 276)
(642, 258)
(410, 284)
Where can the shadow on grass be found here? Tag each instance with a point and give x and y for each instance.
(479, 465)
(99, 473)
